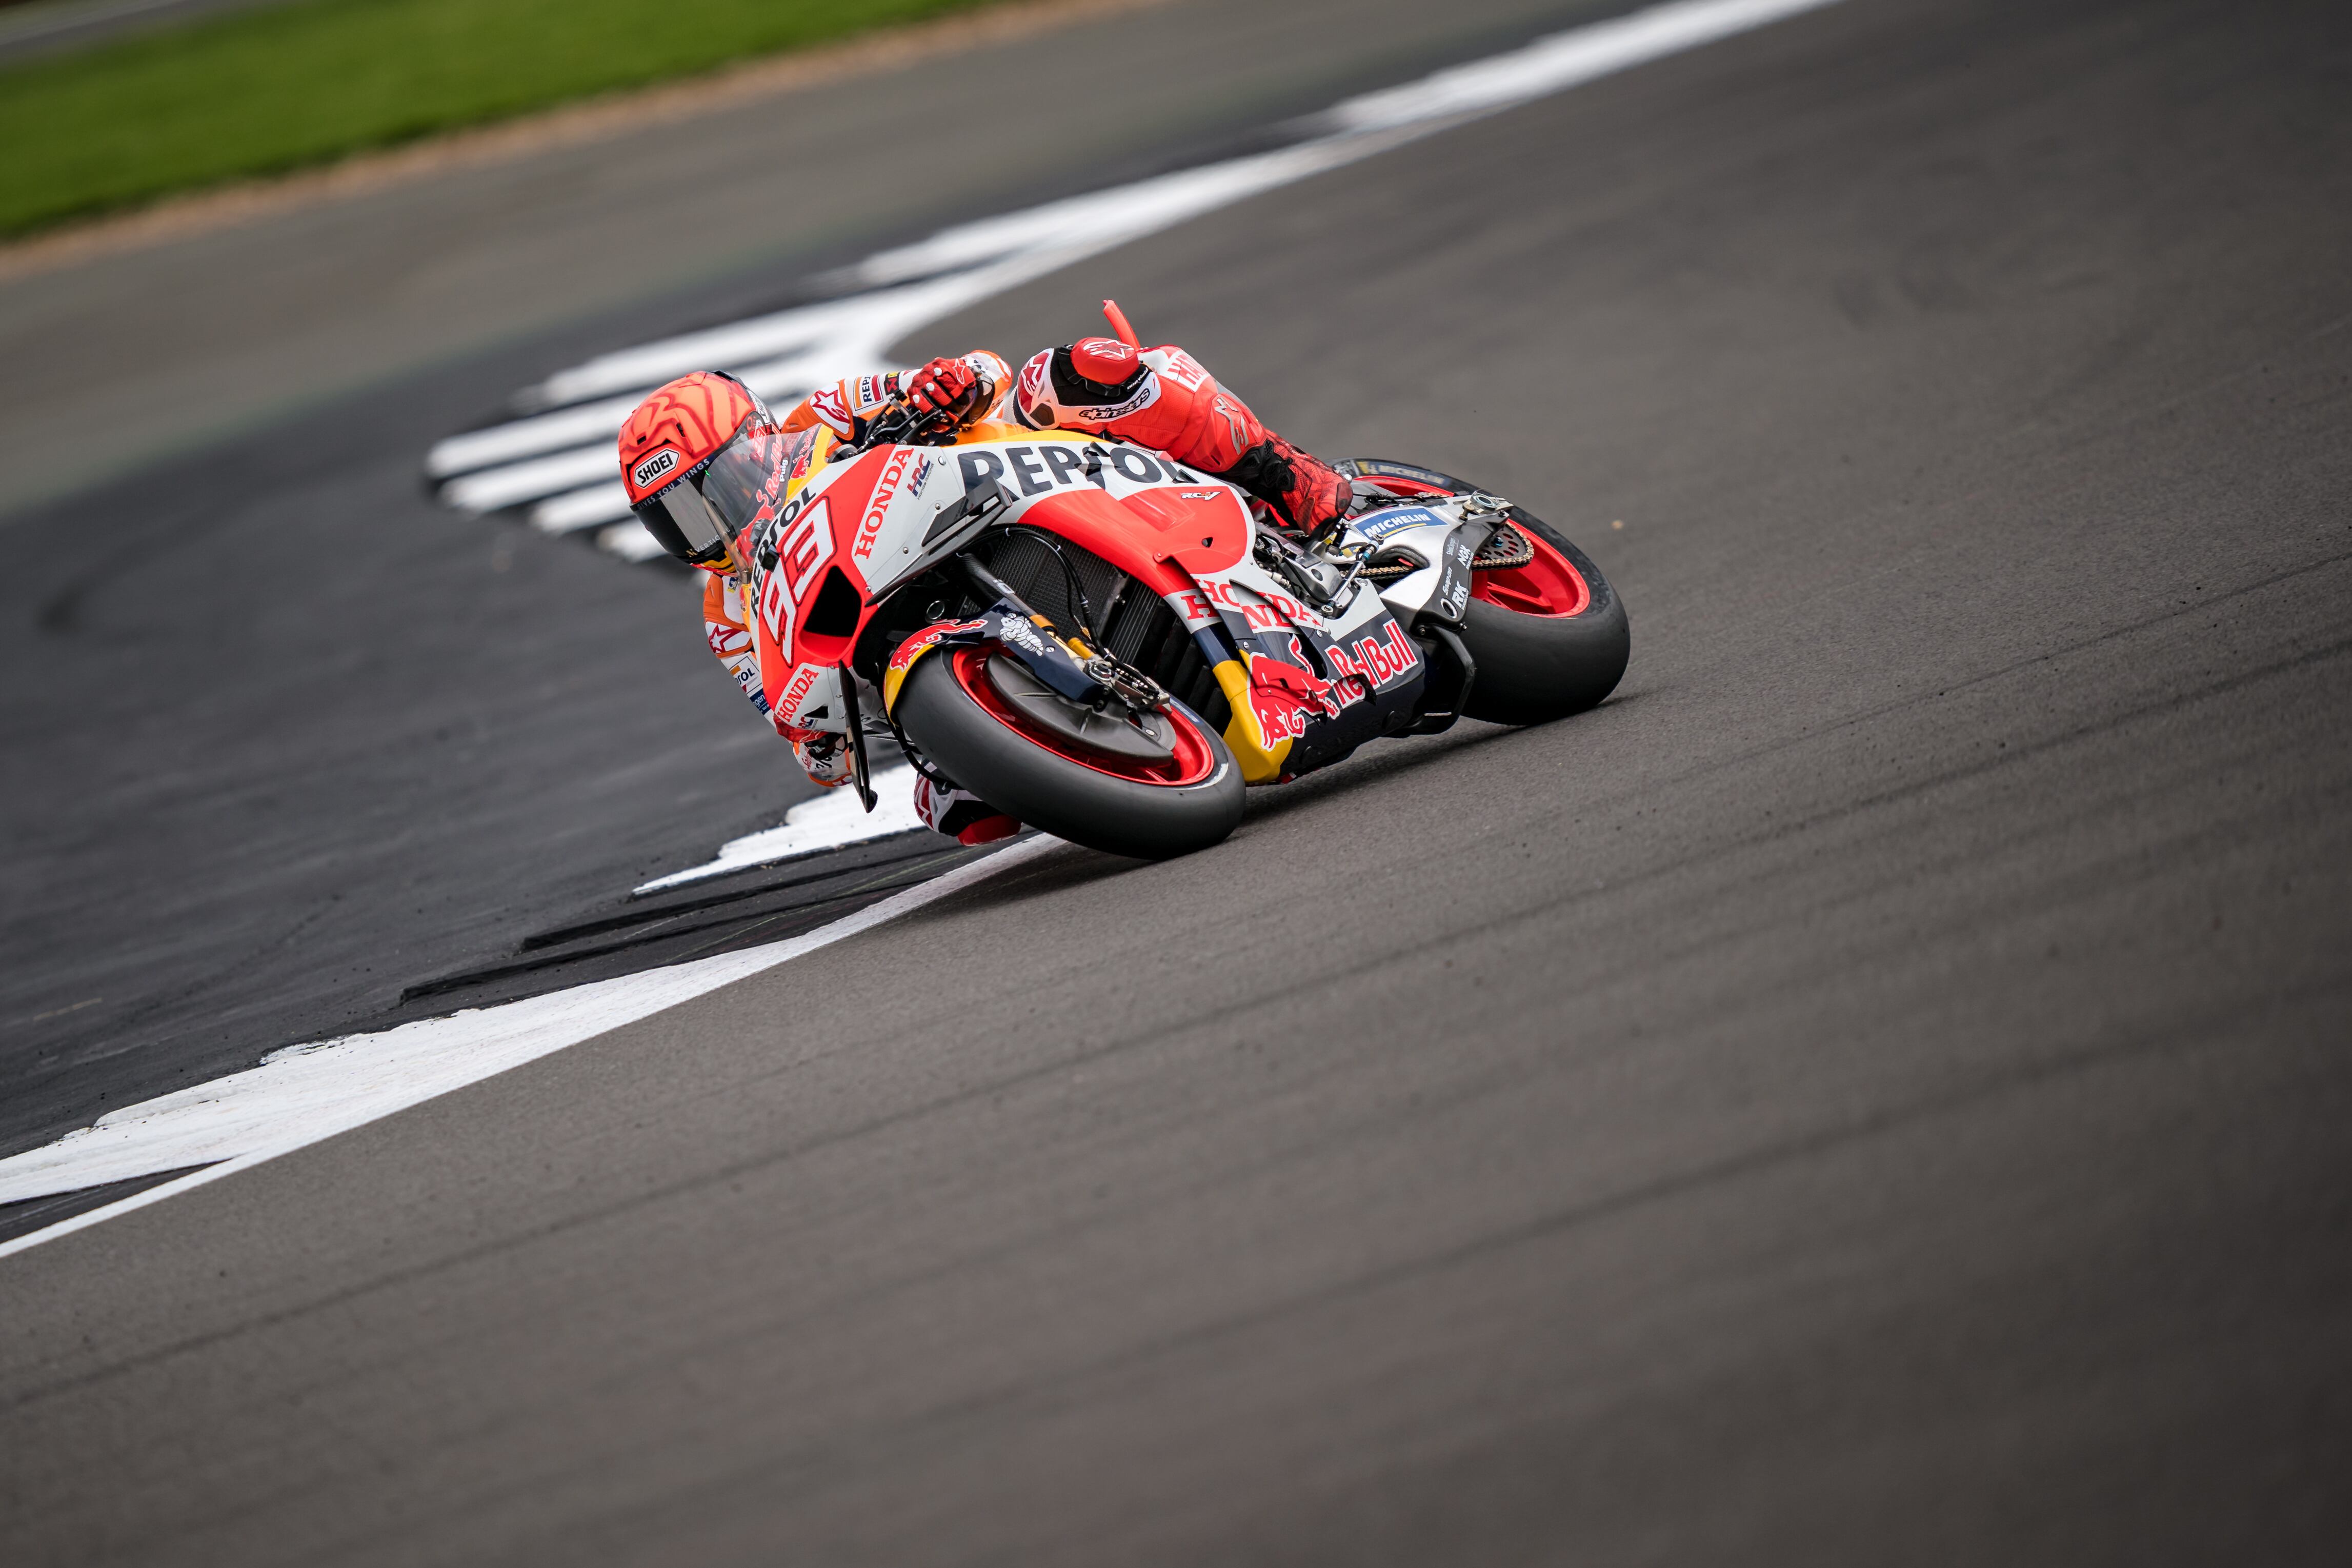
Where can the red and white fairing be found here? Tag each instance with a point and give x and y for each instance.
(854, 530)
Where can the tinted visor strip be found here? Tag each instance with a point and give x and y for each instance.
(678, 514)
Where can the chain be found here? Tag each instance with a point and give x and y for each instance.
(1508, 548)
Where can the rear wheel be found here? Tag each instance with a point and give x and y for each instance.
(1547, 633)
(1151, 787)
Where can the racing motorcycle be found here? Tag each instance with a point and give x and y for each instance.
(1109, 645)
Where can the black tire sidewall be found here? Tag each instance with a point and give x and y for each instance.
(1533, 669)
(1066, 799)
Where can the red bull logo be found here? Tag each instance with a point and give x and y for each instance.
(894, 674)
(912, 648)
(1377, 660)
(1286, 698)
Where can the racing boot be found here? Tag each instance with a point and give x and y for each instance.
(1307, 492)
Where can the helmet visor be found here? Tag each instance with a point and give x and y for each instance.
(683, 523)
(696, 516)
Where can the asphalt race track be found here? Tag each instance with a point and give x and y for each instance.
(1875, 1092)
(339, 792)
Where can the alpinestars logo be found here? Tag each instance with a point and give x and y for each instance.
(1141, 398)
(654, 468)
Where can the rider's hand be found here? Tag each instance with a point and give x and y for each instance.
(948, 387)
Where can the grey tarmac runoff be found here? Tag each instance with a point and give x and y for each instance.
(1873, 1091)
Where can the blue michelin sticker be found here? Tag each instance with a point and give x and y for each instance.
(1380, 525)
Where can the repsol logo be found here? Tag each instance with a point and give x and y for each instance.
(654, 468)
(1037, 470)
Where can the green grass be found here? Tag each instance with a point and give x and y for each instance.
(264, 91)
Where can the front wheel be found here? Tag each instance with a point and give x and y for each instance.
(1547, 633)
(1151, 789)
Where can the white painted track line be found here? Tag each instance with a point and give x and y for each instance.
(834, 820)
(299, 1095)
(302, 1095)
(559, 455)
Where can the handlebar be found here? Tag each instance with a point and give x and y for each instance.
(899, 422)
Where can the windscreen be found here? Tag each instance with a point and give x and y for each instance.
(749, 472)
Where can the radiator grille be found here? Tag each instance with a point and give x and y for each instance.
(1035, 572)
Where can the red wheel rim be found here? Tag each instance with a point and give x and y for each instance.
(1194, 761)
(1547, 586)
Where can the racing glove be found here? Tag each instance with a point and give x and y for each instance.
(951, 389)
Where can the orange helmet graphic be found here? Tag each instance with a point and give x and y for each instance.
(699, 458)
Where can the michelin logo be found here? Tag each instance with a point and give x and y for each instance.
(1380, 525)
(1020, 634)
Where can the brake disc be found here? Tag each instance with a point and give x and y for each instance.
(1116, 732)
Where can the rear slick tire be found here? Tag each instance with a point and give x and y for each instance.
(1534, 668)
(1549, 637)
(1106, 804)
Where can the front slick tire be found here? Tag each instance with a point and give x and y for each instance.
(1145, 808)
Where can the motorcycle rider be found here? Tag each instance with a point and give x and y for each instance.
(702, 455)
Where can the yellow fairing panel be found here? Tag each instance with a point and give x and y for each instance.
(1258, 762)
(812, 463)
